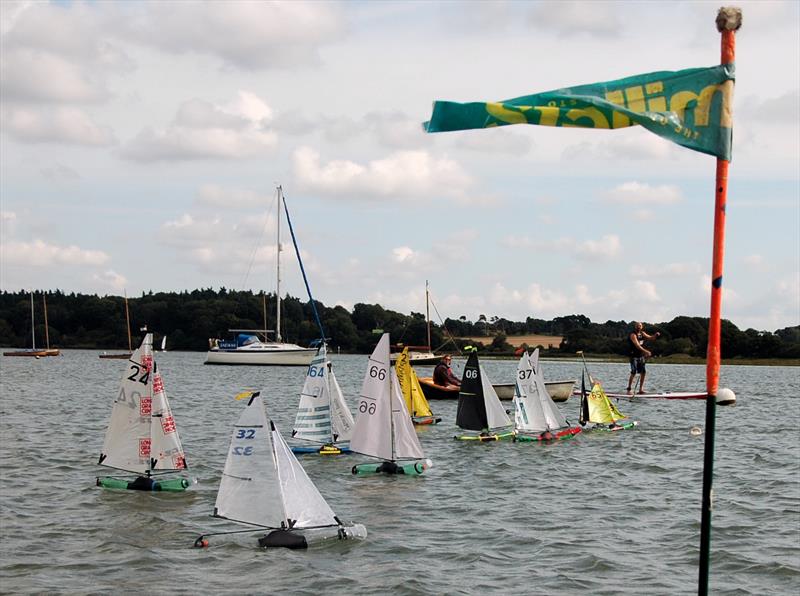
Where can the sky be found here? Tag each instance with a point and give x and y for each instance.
(141, 144)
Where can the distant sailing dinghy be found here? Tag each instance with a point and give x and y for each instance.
(413, 396)
(479, 408)
(597, 411)
(142, 436)
(263, 485)
(536, 416)
(383, 425)
(323, 419)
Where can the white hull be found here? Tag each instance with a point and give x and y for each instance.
(294, 356)
(558, 390)
(418, 358)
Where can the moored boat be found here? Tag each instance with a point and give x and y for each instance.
(558, 390)
(249, 347)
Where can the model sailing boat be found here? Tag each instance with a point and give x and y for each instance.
(264, 485)
(479, 408)
(252, 346)
(323, 418)
(123, 356)
(383, 427)
(536, 416)
(33, 352)
(416, 404)
(598, 412)
(142, 436)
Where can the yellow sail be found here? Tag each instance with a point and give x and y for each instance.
(601, 410)
(412, 393)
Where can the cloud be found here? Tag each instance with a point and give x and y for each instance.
(41, 254)
(110, 280)
(668, 270)
(202, 130)
(250, 35)
(636, 193)
(499, 140)
(232, 198)
(569, 18)
(55, 125)
(56, 53)
(405, 174)
(784, 109)
(635, 145)
(606, 248)
(58, 172)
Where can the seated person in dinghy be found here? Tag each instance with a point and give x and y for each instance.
(443, 374)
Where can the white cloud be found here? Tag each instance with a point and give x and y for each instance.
(110, 280)
(569, 18)
(499, 140)
(606, 248)
(667, 270)
(56, 125)
(202, 130)
(406, 174)
(231, 198)
(637, 193)
(41, 254)
(244, 34)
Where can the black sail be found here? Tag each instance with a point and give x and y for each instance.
(471, 413)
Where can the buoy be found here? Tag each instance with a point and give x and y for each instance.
(695, 431)
(201, 543)
(726, 397)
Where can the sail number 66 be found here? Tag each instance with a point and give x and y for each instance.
(376, 372)
(364, 407)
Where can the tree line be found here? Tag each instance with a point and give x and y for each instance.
(190, 318)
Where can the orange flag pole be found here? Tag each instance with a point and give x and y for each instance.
(729, 20)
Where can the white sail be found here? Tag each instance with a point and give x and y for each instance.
(166, 452)
(249, 491)
(341, 418)
(313, 419)
(383, 426)
(553, 416)
(528, 413)
(305, 507)
(406, 441)
(127, 443)
(496, 416)
(164, 344)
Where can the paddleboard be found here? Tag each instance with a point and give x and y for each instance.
(662, 395)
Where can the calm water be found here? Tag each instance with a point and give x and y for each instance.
(601, 514)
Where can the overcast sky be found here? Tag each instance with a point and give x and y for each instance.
(142, 142)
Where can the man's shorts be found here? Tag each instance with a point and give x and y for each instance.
(637, 366)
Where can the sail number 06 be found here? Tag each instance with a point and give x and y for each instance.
(471, 373)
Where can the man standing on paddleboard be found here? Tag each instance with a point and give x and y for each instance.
(638, 354)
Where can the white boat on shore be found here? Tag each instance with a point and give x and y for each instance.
(558, 390)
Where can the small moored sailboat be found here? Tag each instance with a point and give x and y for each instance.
(383, 426)
(142, 436)
(413, 396)
(536, 417)
(323, 418)
(479, 408)
(263, 485)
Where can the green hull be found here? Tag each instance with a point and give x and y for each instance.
(410, 469)
(147, 484)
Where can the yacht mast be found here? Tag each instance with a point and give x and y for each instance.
(278, 337)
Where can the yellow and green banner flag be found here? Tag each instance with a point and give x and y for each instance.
(689, 107)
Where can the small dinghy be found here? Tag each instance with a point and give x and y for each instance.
(383, 428)
(536, 416)
(415, 400)
(598, 413)
(263, 485)
(323, 419)
(479, 408)
(142, 436)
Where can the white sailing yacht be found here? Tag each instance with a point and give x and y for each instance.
(383, 427)
(252, 346)
(142, 436)
(264, 486)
